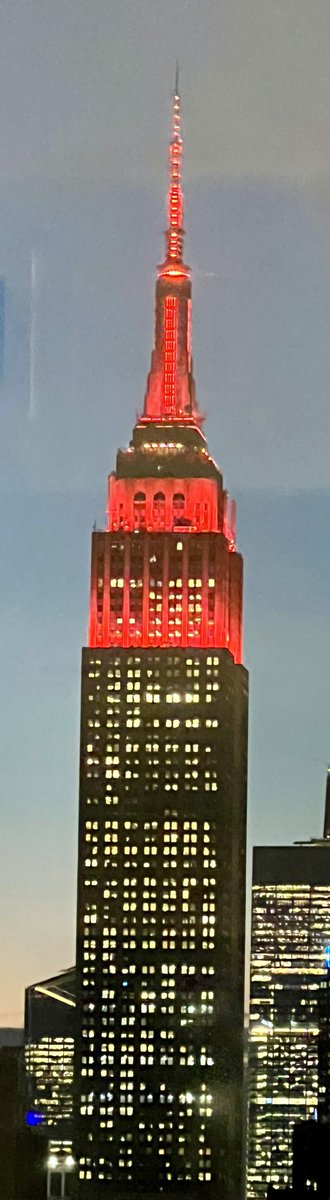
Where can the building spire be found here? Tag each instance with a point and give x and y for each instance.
(170, 394)
(174, 234)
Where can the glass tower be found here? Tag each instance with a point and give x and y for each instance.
(290, 934)
(49, 1043)
(161, 873)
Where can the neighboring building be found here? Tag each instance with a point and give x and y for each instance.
(11, 1106)
(22, 1165)
(290, 933)
(161, 875)
(310, 1165)
(12, 1037)
(49, 1047)
(324, 1047)
(311, 1138)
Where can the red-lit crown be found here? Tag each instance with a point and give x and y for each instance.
(166, 572)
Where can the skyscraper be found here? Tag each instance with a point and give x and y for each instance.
(161, 874)
(290, 934)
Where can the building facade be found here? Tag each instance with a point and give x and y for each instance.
(324, 1045)
(290, 934)
(161, 873)
(49, 1050)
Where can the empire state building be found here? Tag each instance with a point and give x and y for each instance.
(161, 873)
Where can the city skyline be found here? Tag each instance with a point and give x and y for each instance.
(41, 614)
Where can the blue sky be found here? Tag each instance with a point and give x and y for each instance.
(86, 97)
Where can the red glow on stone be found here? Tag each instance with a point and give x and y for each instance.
(170, 353)
(169, 272)
(150, 604)
(166, 572)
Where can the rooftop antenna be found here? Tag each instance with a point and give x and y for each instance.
(174, 235)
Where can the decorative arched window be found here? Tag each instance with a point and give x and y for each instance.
(139, 510)
(158, 509)
(179, 507)
(178, 504)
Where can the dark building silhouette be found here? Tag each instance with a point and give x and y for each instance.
(161, 875)
(310, 1166)
(11, 1106)
(289, 939)
(22, 1165)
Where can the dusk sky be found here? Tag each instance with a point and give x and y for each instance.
(85, 95)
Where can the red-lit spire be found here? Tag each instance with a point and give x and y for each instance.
(174, 234)
(170, 392)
